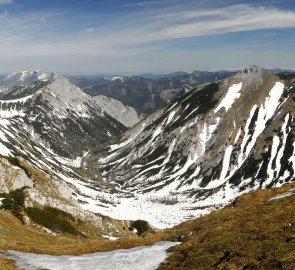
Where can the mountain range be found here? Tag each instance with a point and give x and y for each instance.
(147, 92)
(210, 145)
(198, 153)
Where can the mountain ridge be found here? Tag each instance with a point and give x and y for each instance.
(50, 125)
(202, 150)
(198, 153)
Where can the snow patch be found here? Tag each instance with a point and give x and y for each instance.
(289, 193)
(143, 258)
(4, 151)
(171, 115)
(231, 96)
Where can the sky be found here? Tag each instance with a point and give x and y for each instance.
(132, 36)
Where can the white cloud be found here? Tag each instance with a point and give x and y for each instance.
(6, 2)
(271, 34)
(89, 30)
(237, 18)
(144, 28)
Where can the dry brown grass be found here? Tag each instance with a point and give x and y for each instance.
(253, 233)
(15, 235)
(6, 264)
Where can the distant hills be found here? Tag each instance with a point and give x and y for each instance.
(147, 92)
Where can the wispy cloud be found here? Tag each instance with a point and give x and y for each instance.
(89, 30)
(146, 28)
(271, 34)
(231, 19)
(6, 2)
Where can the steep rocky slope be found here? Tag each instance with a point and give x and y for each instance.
(50, 124)
(217, 141)
(43, 194)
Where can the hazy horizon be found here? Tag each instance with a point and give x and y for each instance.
(89, 74)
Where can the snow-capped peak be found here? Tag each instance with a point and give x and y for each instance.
(115, 78)
(23, 78)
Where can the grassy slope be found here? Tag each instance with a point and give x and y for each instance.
(15, 235)
(252, 233)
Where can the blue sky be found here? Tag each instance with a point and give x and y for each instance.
(129, 37)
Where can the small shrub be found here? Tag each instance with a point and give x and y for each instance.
(7, 203)
(54, 219)
(18, 197)
(13, 199)
(141, 226)
(168, 200)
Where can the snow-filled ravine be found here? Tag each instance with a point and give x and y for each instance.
(143, 258)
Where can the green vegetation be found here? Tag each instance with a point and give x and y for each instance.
(54, 219)
(141, 226)
(13, 199)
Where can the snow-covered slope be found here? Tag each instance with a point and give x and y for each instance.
(197, 154)
(53, 124)
(24, 78)
(60, 115)
(201, 151)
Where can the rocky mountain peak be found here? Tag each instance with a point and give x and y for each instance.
(64, 89)
(253, 69)
(25, 77)
(250, 74)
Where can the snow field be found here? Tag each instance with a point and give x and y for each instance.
(143, 258)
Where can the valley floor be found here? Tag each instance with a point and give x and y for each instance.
(254, 232)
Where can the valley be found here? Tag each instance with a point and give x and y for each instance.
(147, 135)
(84, 174)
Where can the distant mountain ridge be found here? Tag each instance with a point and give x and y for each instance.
(148, 92)
(24, 78)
